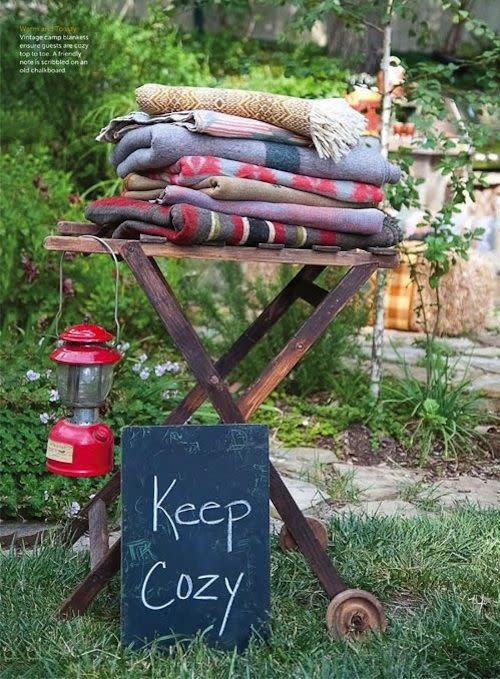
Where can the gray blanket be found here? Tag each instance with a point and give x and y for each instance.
(157, 146)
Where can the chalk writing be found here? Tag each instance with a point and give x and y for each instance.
(194, 516)
(184, 590)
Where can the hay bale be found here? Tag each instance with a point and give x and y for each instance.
(466, 295)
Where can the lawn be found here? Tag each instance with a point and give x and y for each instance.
(437, 577)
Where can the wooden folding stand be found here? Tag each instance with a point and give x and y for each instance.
(349, 610)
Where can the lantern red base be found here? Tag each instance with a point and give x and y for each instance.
(80, 449)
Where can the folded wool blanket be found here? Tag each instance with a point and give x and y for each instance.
(363, 220)
(152, 194)
(204, 122)
(332, 124)
(158, 146)
(145, 182)
(234, 188)
(195, 171)
(188, 225)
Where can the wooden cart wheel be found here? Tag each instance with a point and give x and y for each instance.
(353, 612)
(287, 542)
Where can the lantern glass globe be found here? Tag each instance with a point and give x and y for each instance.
(84, 386)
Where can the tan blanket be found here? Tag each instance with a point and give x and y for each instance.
(139, 187)
(332, 125)
(234, 188)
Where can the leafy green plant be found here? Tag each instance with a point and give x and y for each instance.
(35, 197)
(122, 55)
(442, 411)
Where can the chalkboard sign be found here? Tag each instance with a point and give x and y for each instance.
(195, 534)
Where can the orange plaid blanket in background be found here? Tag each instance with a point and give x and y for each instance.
(401, 293)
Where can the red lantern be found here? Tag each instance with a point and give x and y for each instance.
(81, 445)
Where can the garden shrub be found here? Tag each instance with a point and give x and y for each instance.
(65, 111)
(77, 103)
(35, 197)
(225, 317)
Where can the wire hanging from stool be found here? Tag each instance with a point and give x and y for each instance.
(117, 283)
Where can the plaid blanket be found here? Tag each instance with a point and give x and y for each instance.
(366, 220)
(158, 146)
(188, 225)
(198, 172)
(204, 122)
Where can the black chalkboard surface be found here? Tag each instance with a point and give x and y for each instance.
(195, 534)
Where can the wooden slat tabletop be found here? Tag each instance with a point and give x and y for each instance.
(386, 257)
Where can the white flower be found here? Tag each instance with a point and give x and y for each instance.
(41, 341)
(173, 367)
(170, 394)
(32, 376)
(45, 495)
(73, 509)
(305, 422)
(144, 374)
(160, 369)
(48, 373)
(44, 418)
(91, 496)
(123, 346)
(137, 367)
(142, 358)
(54, 395)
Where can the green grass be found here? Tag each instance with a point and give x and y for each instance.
(422, 495)
(340, 487)
(436, 576)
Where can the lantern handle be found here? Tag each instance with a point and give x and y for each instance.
(117, 282)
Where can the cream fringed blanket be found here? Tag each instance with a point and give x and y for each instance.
(332, 125)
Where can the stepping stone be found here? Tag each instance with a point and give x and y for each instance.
(379, 482)
(470, 489)
(302, 462)
(22, 533)
(306, 495)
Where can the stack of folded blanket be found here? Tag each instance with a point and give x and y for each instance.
(245, 168)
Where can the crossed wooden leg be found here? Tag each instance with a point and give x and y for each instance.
(210, 385)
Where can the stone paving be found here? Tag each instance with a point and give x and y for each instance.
(379, 489)
(323, 486)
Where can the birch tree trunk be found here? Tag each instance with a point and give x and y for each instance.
(378, 328)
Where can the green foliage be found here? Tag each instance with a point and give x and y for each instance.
(34, 198)
(442, 412)
(70, 108)
(224, 317)
(296, 421)
(29, 407)
(422, 495)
